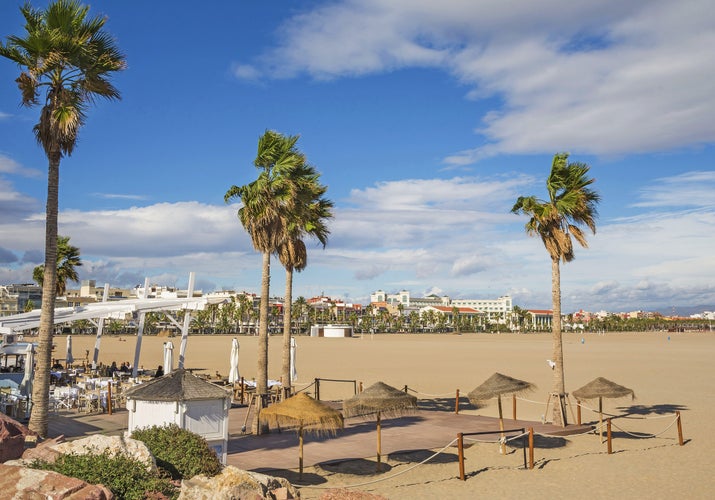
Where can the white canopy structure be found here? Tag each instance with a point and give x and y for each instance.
(122, 310)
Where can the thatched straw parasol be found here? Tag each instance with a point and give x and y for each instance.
(305, 413)
(380, 399)
(602, 388)
(496, 386)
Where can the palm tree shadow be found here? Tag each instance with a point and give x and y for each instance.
(660, 409)
(443, 404)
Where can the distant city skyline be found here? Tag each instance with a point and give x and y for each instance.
(426, 120)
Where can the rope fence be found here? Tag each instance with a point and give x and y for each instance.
(526, 435)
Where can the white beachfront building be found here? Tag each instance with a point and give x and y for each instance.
(495, 310)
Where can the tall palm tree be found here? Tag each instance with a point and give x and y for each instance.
(265, 202)
(309, 217)
(571, 204)
(67, 60)
(68, 260)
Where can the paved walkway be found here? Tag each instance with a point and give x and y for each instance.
(424, 430)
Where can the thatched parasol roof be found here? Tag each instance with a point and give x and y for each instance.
(304, 412)
(498, 385)
(603, 388)
(179, 385)
(380, 397)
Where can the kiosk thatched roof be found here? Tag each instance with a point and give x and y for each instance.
(179, 385)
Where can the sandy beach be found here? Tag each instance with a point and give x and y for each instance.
(667, 371)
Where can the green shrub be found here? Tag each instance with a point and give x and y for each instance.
(126, 477)
(182, 453)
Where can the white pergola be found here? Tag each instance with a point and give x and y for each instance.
(97, 312)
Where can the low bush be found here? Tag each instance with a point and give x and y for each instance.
(126, 478)
(183, 454)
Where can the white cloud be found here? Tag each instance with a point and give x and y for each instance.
(691, 189)
(601, 78)
(459, 236)
(10, 166)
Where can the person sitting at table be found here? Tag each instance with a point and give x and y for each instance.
(58, 366)
(159, 372)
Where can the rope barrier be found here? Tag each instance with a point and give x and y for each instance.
(431, 395)
(382, 478)
(305, 388)
(649, 435)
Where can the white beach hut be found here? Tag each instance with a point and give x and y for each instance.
(185, 400)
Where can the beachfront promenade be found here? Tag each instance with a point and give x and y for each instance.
(278, 450)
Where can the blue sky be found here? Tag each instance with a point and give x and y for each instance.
(426, 119)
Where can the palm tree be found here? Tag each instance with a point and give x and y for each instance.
(70, 58)
(68, 260)
(265, 202)
(309, 216)
(571, 204)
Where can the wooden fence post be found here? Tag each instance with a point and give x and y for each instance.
(531, 447)
(460, 450)
(680, 429)
(456, 403)
(608, 436)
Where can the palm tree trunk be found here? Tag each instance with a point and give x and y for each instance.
(285, 370)
(262, 379)
(559, 387)
(43, 361)
(262, 371)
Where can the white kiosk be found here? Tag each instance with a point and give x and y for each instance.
(185, 400)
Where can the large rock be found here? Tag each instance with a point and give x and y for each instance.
(20, 483)
(44, 451)
(98, 443)
(234, 483)
(12, 438)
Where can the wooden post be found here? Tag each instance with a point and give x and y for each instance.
(578, 412)
(531, 447)
(502, 447)
(379, 442)
(300, 455)
(513, 406)
(460, 452)
(680, 429)
(317, 389)
(243, 389)
(109, 398)
(360, 386)
(608, 433)
(456, 403)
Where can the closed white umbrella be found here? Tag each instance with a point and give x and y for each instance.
(293, 372)
(233, 375)
(26, 384)
(68, 357)
(168, 357)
